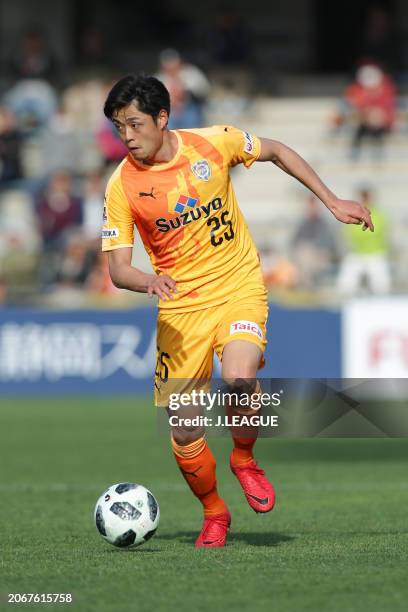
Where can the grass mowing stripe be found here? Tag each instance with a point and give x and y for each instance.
(348, 486)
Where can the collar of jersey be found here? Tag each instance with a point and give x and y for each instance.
(158, 167)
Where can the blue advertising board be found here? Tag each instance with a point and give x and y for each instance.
(113, 351)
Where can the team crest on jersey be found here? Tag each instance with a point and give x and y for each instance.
(202, 170)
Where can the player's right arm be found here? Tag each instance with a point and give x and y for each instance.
(117, 241)
(125, 276)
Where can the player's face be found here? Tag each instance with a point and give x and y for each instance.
(141, 134)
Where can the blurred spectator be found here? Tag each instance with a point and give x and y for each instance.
(3, 291)
(110, 146)
(367, 258)
(58, 210)
(33, 102)
(189, 89)
(18, 222)
(17, 276)
(33, 59)
(372, 100)
(99, 280)
(314, 247)
(77, 261)
(83, 273)
(92, 208)
(19, 245)
(10, 145)
(278, 272)
(230, 99)
(60, 145)
(83, 101)
(59, 214)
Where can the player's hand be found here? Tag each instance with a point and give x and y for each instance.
(349, 211)
(163, 286)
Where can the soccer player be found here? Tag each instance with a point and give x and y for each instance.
(174, 186)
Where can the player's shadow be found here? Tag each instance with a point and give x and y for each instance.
(260, 538)
(136, 549)
(252, 538)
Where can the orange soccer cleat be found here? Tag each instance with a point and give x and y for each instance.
(257, 489)
(214, 531)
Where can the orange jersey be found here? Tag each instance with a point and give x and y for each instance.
(188, 217)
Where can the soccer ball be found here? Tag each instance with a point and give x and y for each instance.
(127, 514)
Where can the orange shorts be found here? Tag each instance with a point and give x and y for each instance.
(186, 341)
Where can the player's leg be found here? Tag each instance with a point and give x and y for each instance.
(240, 364)
(350, 275)
(240, 345)
(198, 466)
(186, 344)
(195, 460)
(357, 140)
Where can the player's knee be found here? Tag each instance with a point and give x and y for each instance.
(239, 370)
(239, 383)
(186, 435)
(241, 391)
(186, 424)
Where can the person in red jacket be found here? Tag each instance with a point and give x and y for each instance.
(372, 97)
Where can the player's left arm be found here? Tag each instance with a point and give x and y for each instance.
(347, 211)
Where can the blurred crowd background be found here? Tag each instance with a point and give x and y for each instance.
(329, 81)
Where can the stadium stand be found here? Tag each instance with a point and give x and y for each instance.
(272, 203)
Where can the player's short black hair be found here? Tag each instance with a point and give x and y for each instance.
(148, 92)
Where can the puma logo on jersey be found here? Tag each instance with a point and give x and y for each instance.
(164, 225)
(144, 194)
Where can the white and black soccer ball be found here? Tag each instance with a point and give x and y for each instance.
(127, 514)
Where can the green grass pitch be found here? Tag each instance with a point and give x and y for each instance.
(337, 539)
